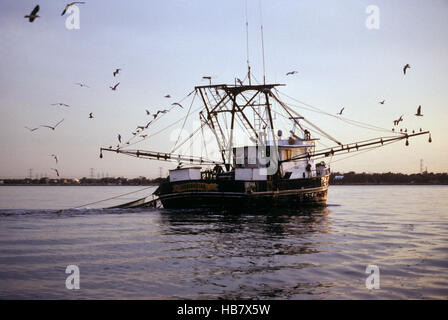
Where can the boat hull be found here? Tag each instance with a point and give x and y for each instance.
(226, 200)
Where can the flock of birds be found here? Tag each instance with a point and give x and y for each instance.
(139, 130)
(397, 121)
(31, 17)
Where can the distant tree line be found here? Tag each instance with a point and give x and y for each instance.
(388, 178)
(140, 181)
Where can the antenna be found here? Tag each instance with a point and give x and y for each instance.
(247, 47)
(262, 44)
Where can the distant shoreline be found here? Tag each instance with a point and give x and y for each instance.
(156, 185)
(75, 185)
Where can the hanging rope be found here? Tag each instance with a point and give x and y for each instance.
(111, 198)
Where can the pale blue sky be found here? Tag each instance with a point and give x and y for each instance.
(167, 46)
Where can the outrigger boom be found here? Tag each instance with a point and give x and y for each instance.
(324, 153)
(162, 156)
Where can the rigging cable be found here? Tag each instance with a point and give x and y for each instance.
(185, 120)
(346, 120)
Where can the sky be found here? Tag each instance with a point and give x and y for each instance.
(165, 47)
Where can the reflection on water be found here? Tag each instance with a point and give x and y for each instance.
(252, 254)
(309, 253)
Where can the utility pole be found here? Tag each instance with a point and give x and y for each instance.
(30, 173)
(92, 173)
(421, 166)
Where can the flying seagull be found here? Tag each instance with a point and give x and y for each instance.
(382, 102)
(407, 66)
(419, 112)
(177, 104)
(396, 122)
(291, 73)
(119, 138)
(69, 5)
(144, 136)
(147, 125)
(340, 112)
(31, 129)
(55, 157)
(91, 115)
(33, 15)
(159, 111)
(60, 104)
(54, 127)
(115, 87)
(167, 96)
(117, 71)
(55, 170)
(82, 85)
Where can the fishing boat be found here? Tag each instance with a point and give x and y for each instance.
(268, 168)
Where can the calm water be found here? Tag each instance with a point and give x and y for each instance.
(160, 254)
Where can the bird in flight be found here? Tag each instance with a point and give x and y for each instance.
(55, 157)
(147, 125)
(69, 5)
(31, 129)
(55, 170)
(91, 115)
(382, 102)
(60, 104)
(291, 73)
(340, 112)
(33, 15)
(239, 81)
(144, 136)
(407, 66)
(117, 71)
(177, 104)
(147, 112)
(82, 85)
(115, 87)
(419, 112)
(159, 111)
(119, 138)
(396, 122)
(52, 127)
(167, 96)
